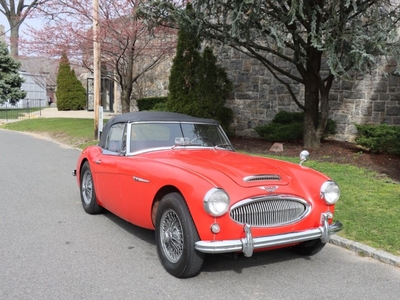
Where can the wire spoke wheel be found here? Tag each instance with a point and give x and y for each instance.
(87, 191)
(171, 236)
(87, 188)
(176, 236)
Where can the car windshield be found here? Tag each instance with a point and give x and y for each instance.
(145, 136)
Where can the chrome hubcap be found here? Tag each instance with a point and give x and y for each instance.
(171, 236)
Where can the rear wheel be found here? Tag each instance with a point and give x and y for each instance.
(88, 194)
(176, 236)
(309, 248)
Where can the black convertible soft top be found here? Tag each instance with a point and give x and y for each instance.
(150, 116)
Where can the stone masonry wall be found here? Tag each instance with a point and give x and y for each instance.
(258, 96)
(368, 99)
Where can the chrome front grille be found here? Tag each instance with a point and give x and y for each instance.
(270, 211)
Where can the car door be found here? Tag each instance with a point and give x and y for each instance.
(139, 173)
(107, 164)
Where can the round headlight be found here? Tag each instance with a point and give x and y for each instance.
(330, 192)
(216, 202)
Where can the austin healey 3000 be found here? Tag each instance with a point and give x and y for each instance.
(180, 176)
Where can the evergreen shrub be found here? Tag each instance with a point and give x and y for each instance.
(289, 127)
(197, 85)
(379, 138)
(149, 103)
(10, 79)
(160, 106)
(71, 95)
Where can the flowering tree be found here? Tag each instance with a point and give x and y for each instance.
(345, 35)
(128, 49)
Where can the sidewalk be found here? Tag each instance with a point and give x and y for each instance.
(53, 112)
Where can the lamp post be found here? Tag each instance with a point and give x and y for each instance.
(96, 67)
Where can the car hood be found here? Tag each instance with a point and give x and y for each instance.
(245, 170)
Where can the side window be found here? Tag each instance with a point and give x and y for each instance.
(115, 138)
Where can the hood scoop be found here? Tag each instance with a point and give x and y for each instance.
(262, 177)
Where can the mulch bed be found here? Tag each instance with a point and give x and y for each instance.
(330, 151)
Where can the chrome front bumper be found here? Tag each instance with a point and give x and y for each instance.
(248, 243)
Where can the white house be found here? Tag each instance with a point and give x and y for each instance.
(35, 87)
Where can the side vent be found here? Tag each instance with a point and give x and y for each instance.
(262, 177)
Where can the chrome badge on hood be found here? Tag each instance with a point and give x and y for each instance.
(269, 189)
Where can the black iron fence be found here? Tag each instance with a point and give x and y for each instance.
(23, 109)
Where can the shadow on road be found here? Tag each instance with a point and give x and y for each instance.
(235, 262)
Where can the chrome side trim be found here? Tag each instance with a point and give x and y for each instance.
(140, 179)
(248, 244)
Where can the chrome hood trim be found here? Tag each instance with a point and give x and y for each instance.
(262, 177)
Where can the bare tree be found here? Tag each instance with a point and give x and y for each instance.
(16, 11)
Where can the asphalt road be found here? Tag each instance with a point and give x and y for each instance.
(51, 249)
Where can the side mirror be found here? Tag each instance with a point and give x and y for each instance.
(304, 156)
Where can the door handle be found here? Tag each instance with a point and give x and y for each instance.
(97, 161)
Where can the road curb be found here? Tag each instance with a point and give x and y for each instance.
(366, 251)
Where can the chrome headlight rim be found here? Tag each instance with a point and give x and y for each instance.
(216, 202)
(330, 192)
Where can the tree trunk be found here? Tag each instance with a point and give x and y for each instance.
(127, 81)
(310, 137)
(311, 140)
(316, 100)
(313, 86)
(14, 39)
(125, 101)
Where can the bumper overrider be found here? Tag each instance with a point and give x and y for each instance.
(248, 244)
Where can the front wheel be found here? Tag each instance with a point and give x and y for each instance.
(88, 194)
(309, 248)
(176, 236)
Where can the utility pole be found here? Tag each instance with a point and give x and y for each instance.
(96, 67)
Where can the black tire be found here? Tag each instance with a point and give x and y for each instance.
(176, 236)
(309, 248)
(88, 194)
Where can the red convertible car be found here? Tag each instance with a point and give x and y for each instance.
(180, 176)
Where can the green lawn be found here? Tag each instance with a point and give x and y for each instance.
(78, 133)
(369, 206)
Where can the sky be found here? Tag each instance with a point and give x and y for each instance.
(30, 22)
